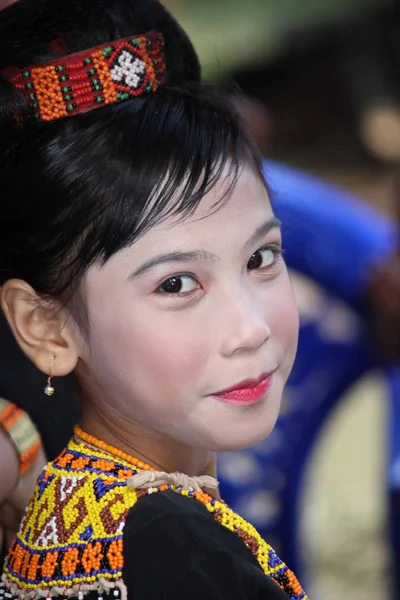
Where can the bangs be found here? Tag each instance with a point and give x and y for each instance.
(117, 172)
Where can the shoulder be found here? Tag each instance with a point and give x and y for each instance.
(169, 513)
(72, 531)
(182, 550)
(168, 520)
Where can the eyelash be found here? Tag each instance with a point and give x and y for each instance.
(276, 250)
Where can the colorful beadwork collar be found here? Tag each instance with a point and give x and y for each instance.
(71, 538)
(107, 74)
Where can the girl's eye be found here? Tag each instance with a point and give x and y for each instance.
(180, 284)
(264, 258)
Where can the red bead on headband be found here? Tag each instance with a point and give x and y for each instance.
(103, 75)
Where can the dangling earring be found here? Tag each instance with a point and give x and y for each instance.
(49, 389)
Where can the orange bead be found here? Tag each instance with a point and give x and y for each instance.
(93, 441)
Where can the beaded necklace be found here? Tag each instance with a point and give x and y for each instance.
(263, 552)
(71, 538)
(111, 450)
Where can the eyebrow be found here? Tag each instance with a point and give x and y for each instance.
(262, 230)
(201, 255)
(159, 259)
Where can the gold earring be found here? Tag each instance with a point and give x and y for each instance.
(49, 389)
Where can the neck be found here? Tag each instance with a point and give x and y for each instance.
(148, 446)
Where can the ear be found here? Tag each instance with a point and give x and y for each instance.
(41, 328)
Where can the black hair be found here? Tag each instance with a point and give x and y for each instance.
(76, 191)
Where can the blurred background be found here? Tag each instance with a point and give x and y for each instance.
(321, 83)
(323, 78)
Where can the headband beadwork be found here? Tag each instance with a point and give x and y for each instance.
(107, 74)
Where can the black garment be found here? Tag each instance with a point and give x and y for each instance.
(174, 549)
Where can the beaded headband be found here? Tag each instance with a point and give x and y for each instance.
(107, 74)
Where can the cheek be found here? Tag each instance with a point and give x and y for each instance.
(153, 352)
(285, 319)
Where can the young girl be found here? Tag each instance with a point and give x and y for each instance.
(141, 252)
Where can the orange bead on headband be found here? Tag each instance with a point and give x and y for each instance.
(106, 74)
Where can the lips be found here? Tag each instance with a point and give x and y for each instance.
(246, 392)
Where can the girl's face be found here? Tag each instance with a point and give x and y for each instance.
(189, 310)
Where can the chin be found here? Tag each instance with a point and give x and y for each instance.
(251, 428)
(242, 437)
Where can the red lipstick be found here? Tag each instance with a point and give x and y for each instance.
(246, 392)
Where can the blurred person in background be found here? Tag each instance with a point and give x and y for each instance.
(22, 458)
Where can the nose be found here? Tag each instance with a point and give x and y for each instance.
(246, 325)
